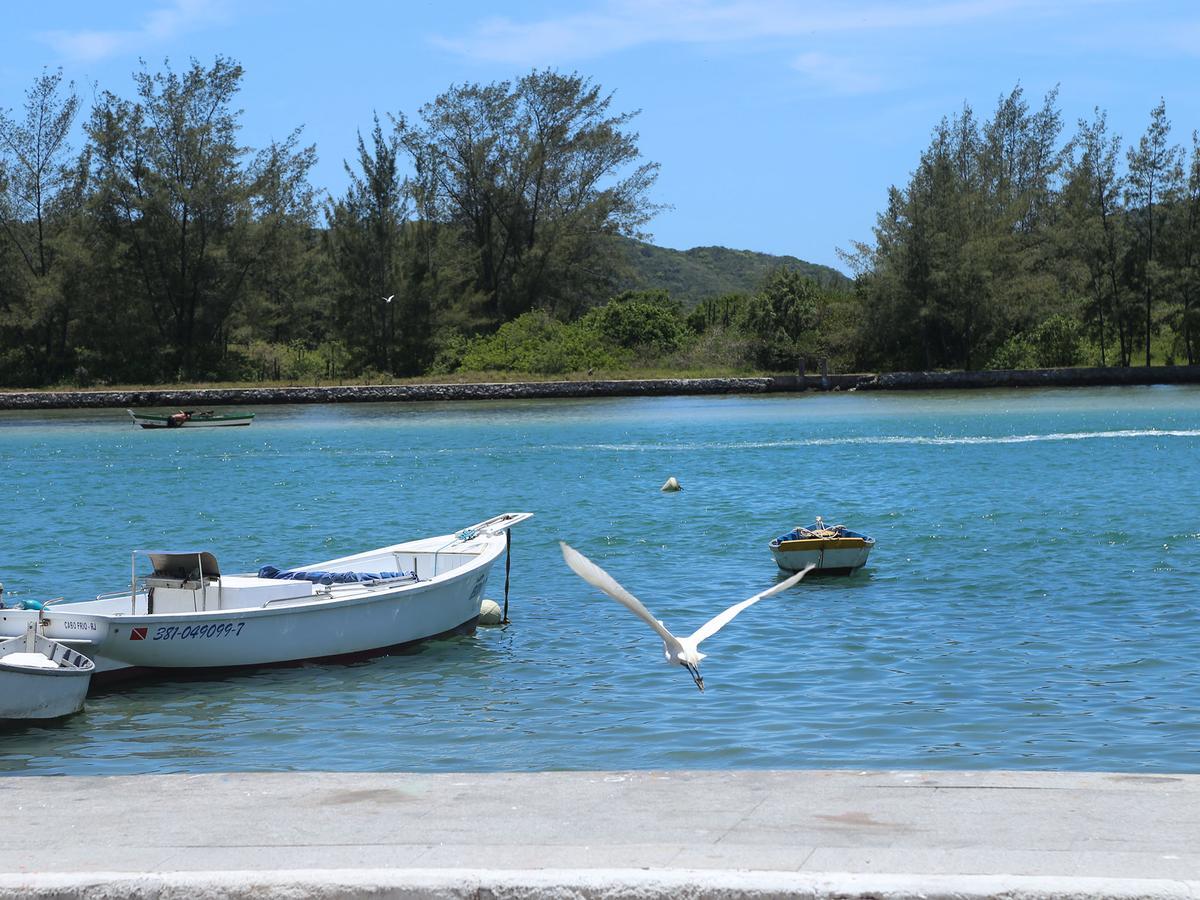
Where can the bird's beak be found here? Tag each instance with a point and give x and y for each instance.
(696, 676)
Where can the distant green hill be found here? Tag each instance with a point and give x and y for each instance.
(692, 275)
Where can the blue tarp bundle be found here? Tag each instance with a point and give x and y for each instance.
(21, 604)
(331, 577)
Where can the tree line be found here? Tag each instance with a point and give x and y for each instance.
(1010, 247)
(165, 250)
(479, 235)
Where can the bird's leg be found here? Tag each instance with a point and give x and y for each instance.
(696, 676)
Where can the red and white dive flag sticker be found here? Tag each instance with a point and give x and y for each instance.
(137, 634)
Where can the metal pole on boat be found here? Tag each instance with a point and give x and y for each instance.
(507, 566)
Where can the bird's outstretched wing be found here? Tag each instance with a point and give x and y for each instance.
(598, 578)
(717, 622)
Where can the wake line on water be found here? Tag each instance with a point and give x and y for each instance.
(893, 439)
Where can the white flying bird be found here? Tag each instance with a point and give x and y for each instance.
(387, 299)
(683, 651)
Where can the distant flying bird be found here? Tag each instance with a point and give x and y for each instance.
(387, 299)
(681, 651)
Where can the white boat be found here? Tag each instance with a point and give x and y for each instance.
(833, 549)
(186, 614)
(40, 678)
(190, 418)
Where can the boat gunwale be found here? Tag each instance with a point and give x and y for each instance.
(216, 417)
(68, 662)
(802, 544)
(59, 671)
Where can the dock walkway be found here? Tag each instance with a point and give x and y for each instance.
(603, 834)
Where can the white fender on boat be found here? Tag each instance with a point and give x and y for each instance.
(672, 485)
(490, 613)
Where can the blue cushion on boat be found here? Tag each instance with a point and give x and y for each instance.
(328, 578)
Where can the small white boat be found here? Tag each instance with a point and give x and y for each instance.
(40, 678)
(190, 418)
(186, 614)
(833, 549)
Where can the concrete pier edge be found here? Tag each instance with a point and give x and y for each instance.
(610, 884)
(603, 834)
(647, 387)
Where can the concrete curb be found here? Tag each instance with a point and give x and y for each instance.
(635, 834)
(584, 884)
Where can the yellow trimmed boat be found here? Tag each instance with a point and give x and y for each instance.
(833, 549)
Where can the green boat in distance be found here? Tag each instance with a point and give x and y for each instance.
(189, 418)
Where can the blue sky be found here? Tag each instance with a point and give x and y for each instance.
(779, 124)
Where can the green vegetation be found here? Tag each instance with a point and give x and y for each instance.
(496, 234)
(691, 276)
(1011, 246)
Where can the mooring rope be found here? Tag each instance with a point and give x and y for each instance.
(507, 565)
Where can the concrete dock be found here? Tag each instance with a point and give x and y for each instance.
(602, 834)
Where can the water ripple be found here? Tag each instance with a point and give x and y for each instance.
(1031, 602)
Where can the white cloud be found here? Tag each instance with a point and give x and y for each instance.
(1177, 35)
(159, 26)
(837, 76)
(615, 25)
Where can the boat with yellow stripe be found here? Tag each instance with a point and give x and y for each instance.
(833, 549)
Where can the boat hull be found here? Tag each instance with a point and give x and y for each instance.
(28, 692)
(178, 420)
(835, 556)
(232, 638)
(122, 673)
(41, 693)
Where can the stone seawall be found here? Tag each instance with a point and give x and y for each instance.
(1079, 377)
(392, 393)
(530, 390)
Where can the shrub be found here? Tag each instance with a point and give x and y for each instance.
(1053, 343)
(783, 318)
(723, 312)
(1015, 353)
(716, 349)
(639, 319)
(536, 342)
(450, 347)
(266, 361)
(1056, 342)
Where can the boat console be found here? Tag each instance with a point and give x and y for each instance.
(192, 582)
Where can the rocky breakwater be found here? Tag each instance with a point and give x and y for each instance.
(169, 398)
(1110, 376)
(394, 393)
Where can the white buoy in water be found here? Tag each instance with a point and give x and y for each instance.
(490, 613)
(672, 485)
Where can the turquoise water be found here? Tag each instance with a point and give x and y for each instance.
(1032, 601)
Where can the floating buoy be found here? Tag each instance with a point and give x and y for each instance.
(672, 485)
(490, 613)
